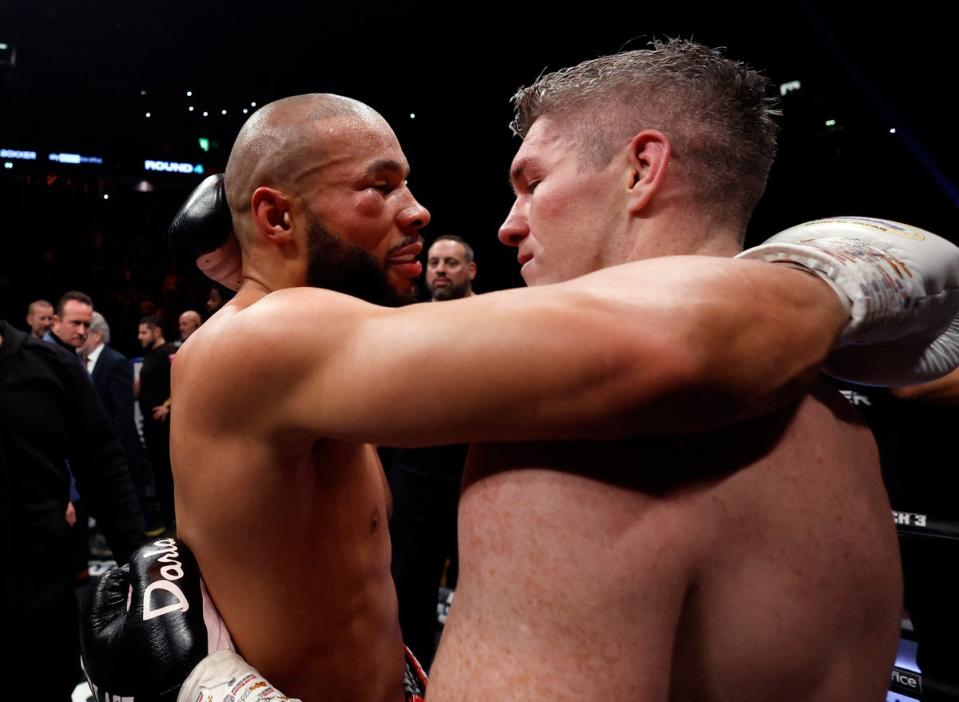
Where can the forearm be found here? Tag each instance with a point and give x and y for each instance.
(742, 340)
(763, 337)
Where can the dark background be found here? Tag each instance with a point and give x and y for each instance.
(87, 71)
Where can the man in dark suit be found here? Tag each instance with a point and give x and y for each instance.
(49, 414)
(112, 377)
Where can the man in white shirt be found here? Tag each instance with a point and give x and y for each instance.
(112, 376)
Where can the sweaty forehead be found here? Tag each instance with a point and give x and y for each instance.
(545, 144)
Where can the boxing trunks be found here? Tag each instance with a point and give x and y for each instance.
(414, 682)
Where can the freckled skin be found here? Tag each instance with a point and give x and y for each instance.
(587, 574)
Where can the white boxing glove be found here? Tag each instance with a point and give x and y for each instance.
(900, 285)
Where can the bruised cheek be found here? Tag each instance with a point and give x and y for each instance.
(369, 203)
(367, 225)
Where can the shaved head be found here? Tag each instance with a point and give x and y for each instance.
(283, 142)
(189, 322)
(310, 172)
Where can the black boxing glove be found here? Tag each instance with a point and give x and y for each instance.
(145, 627)
(203, 230)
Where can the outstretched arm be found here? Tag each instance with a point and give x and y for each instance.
(665, 345)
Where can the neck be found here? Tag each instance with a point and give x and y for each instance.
(257, 283)
(264, 271)
(681, 235)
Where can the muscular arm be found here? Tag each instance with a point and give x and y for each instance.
(665, 345)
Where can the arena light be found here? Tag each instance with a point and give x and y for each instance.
(789, 87)
(830, 123)
(74, 159)
(412, 115)
(8, 165)
(222, 112)
(148, 115)
(8, 55)
(189, 93)
(252, 104)
(204, 143)
(191, 108)
(18, 154)
(892, 130)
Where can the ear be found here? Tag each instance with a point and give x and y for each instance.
(649, 153)
(471, 269)
(272, 215)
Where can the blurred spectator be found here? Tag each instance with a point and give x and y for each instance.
(112, 376)
(189, 322)
(450, 268)
(71, 322)
(40, 317)
(49, 413)
(154, 401)
(214, 301)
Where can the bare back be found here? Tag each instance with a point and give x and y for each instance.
(756, 563)
(290, 529)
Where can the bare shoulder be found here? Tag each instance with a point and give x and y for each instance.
(266, 341)
(275, 326)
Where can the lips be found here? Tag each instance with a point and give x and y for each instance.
(403, 260)
(404, 254)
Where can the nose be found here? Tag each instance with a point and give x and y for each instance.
(515, 227)
(415, 216)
